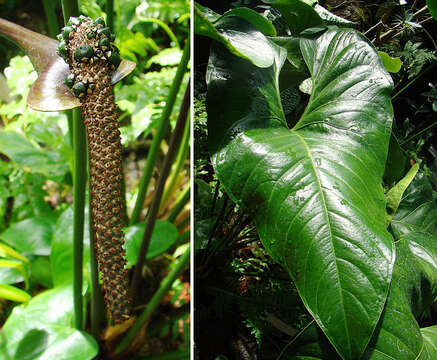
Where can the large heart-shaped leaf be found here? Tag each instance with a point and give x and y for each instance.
(315, 190)
(413, 289)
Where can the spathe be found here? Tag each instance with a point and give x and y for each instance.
(48, 92)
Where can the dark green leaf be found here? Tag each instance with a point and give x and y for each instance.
(413, 290)
(164, 235)
(258, 21)
(300, 14)
(315, 190)
(418, 209)
(30, 236)
(238, 35)
(395, 164)
(40, 271)
(42, 330)
(432, 7)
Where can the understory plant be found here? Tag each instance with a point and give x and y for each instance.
(361, 251)
(98, 252)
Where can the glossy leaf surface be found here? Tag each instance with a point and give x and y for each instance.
(30, 236)
(429, 335)
(238, 34)
(315, 190)
(42, 329)
(413, 289)
(299, 14)
(12, 293)
(418, 210)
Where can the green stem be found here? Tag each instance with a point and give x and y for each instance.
(118, 12)
(412, 81)
(110, 14)
(154, 207)
(157, 139)
(177, 167)
(182, 199)
(79, 181)
(164, 26)
(418, 133)
(69, 114)
(164, 288)
(70, 8)
(52, 21)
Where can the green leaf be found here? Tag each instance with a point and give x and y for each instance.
(61, 256)
(42, 330)
(24, 153)
(258, 21)
(413, 290)
(414, 284)
(238, 35)
(164, 235)
(315, 190)
(18, 266)
(300, 14)
(8, 252)
(418, 209)
(40, 271)
(12, 293)
(429, 335)
(395, 164)
(166, 57)
(394, 195)
(392, 64)
(432, 7)
(331, 19)
(30, 236)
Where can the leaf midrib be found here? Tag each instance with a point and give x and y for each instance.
(328, 221)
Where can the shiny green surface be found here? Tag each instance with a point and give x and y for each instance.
(429, 343)
(315, 190)
(412, 292)
(417, 211)
(242, 40)
(42, 329)
(413, 289)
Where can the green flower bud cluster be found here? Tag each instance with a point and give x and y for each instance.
(98, 47)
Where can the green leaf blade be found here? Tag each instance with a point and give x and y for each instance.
(316, 189)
